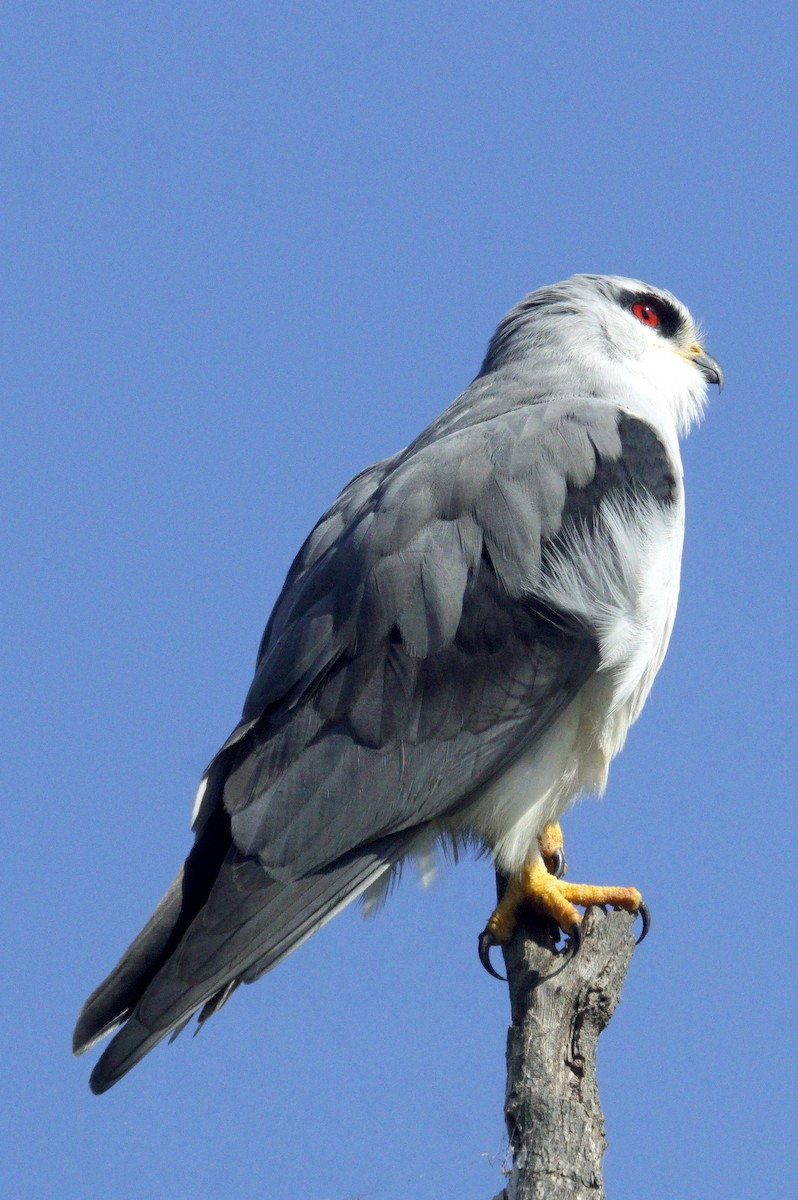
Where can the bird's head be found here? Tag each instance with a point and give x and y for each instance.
(609, 337)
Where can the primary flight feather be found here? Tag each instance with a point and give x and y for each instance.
(459, 649)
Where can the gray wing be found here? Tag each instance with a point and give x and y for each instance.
(407, 661)
(409, 658)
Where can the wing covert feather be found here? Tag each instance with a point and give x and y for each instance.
(409, 659)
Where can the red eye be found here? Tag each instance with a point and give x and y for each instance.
(646, 315)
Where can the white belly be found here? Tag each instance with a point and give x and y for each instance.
(627, 588)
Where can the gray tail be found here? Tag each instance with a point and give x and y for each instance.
(116, 997)
(247, 924)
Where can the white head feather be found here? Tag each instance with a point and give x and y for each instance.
(603, 350)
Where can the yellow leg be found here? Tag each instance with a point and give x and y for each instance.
(503, 919)
(551, 848)
(556, 899)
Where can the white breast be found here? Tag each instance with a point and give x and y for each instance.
(623, 579)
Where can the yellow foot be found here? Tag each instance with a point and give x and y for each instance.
(551, 848)
(554, 898)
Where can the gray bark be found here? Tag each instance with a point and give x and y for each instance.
(554, 1119)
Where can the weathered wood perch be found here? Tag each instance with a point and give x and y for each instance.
(554, 1119)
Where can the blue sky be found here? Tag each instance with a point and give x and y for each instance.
(248, 250)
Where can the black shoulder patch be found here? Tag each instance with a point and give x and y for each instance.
(642, 469)
(648, 467)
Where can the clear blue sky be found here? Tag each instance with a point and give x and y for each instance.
(247, 250)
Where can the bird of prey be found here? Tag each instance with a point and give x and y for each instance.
(457, 652)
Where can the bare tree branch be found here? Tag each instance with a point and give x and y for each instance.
(554, 1118)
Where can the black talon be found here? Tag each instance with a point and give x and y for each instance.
(646, 918)
(558, 863)
(484, 946)
(571, 947)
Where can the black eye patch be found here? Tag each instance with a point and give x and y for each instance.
(654, 312)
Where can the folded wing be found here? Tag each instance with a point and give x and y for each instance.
(408, 660)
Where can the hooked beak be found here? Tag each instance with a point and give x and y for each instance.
(709, 368)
